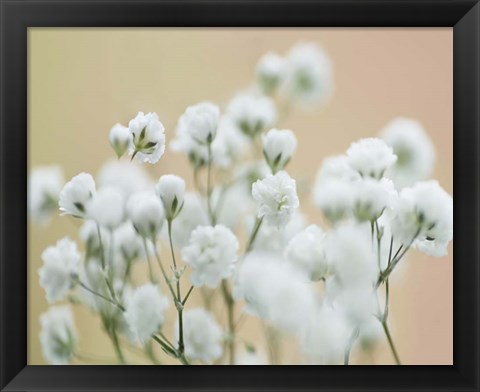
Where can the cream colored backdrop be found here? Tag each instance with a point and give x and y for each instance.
(82, 81)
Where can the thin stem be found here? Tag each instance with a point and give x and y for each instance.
(165, 346)
(209, 185)
(273, 344)
(256, 228)
(348, 350)
(179, 296)
(390, 342)
(390, 251)
(167, 281)
(102, 251)
(117, 304)
(151, 353)
(387, 296)
(379, 250)
(149, 262)
(100, 242)
(188, 295)
(231, 323)
(117, 347)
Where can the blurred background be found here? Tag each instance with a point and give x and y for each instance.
(82, 81)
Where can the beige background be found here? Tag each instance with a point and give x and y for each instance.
(82, 81)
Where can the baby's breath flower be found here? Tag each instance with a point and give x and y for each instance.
(76, 194)
(270, 72)
(89, 235)
(277, 198)
(171, 190)
(278, 148)
(44, 186)
(120, 139)
(252, 114)
(202, 336)
(145, 311)
(424, 213)
(126, 177)
(306, 251)
(148, 133)
(145, 210)
(128, 242)
(414, 149)
(211, 253)
(59, 270)
(335, 198)
(336, 168)
(107, 208)
(308, 77)
(372, 197)
(371, 157)
(200, 122)
(58, 336)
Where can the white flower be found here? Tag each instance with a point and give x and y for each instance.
(232, 203)
(276, 196)
(335, 198)
(358, 302)
(145, 311)
(326, 336)
(211, 253)
(270, 72)
(145, 210)
(273, 290)
(89, 235)
(414, 149)
(192, 215)
(128, 242)
(60, 267)
(349, 251)
(58, 336)
(107, 208)
(230, 144)
(201, 121)
(424, 213)
(120, 139)
(171, 190)
(127, 177)
(148, 134)
(76, 194)
(202, 336)
(44, 186)
(252, 114)
(278, 148)
(306, 251)
(371, 157)
(309, 75)
(336, 168)
(372, 197)
(371, 332)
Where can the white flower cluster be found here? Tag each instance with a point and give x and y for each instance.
(316, 283)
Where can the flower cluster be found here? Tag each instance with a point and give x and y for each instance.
(236, 237)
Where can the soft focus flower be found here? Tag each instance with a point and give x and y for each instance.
(336, 168)
(192, 215)
(171, 190)
(372, 197)
(424, 214)
(128, 242)
(127, 177)
(276, 196)
(89, 235)
(306, 251)
(145, 210)
(211, 253)
(148, 137)
(59, 269)
(250, 357)
(252, 114)
(145, 311)
(107, 208)
(349, 251)
(120, 139)
(414, 149)
(371, 157)
(270, 72)
(76, 194)
(273, 290)
(309, 75)
(371, 332)
(44, 186)
(326, 336)
(358, 302)
(201, 121)
(202, 336)
(278, 148)
(58, 336)
(335, 198)
(230, 144)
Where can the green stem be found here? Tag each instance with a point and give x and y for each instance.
(102, 251)
(209, 185)
(117, 304)
(188, 295)
(390, 342)
(231, 323)
(256, 228)
(167, 281)
(149, 262)
(348, 350)
(117, 347)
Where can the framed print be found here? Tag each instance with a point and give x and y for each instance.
(216, 184)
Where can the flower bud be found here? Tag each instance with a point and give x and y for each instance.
(171, 190)
(270, 72)
(120, 139)
(146, 213)
(278, 148)
(201, 121)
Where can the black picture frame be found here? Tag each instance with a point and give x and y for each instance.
(18, 15)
